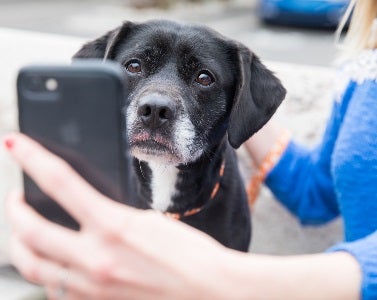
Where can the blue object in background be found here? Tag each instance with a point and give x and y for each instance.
(307, 13)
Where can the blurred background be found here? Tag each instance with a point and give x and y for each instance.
(258, 23)
(294, 38)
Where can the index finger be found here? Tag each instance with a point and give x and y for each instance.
(55, 177)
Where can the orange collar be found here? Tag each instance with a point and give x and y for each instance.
(194, 211)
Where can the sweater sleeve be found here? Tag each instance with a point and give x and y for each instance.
(302, 181)
(365, 252)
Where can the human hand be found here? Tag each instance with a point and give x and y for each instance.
(119, 253)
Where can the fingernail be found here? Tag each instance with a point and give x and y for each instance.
(9, 143)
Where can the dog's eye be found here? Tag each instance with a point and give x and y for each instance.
(204, 78)
(133, 66)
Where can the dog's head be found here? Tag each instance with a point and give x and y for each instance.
(189, 87)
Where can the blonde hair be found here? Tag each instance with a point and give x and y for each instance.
(362, 31)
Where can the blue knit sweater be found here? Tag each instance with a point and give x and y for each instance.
(339, 176)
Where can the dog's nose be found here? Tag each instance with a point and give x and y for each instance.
(156, 110)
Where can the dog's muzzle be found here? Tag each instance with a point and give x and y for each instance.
(160, 130)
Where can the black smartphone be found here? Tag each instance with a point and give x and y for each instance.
(75, 111)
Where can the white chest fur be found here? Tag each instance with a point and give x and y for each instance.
(163, 182)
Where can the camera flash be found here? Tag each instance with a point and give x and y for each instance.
(51, 84)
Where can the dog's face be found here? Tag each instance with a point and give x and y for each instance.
(188, 87)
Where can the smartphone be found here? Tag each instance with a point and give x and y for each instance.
(75, 111)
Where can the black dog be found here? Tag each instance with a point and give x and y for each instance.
(193, 93)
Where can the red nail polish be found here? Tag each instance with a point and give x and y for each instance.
(9, 143)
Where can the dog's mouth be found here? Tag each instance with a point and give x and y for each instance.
(148, 146)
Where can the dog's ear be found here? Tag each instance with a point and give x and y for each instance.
(105, 46)
(258, 95)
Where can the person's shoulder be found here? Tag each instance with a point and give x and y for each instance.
(363, 67)
(360, 71)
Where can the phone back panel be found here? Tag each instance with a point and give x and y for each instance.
(75, 112)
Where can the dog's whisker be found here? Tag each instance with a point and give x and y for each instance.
(141, 170)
